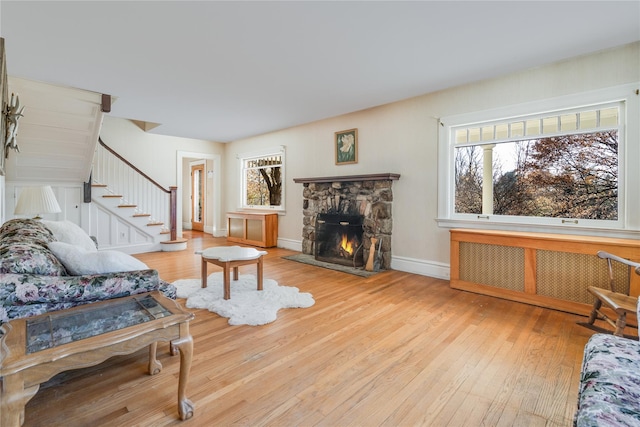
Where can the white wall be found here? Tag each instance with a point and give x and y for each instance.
(403, 137)
(158, 156)
(69, 196)
(154, 154)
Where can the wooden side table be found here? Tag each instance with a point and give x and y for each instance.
(253, 228)
(231, 257)
(34, 349)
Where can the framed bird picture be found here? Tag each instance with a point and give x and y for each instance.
(346, 146)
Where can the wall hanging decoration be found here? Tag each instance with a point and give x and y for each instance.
(346, 146)
(13, 114)
(3, 103)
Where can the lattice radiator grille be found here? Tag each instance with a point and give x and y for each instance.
(492, 265)
(567, 275)
(560, 275)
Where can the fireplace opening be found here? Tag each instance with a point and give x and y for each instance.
(339, 239)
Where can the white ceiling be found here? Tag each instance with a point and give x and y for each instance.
(222, 71)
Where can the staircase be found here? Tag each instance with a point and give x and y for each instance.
(139, 212)
(59, 146)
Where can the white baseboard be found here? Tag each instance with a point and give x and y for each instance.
(418, 266)
(207, 229)
(292, 245)
(220, 233)
(134, 248)
(409, 265)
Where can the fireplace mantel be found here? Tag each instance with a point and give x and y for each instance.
(349, 178)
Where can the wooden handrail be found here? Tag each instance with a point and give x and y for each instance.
(109, 149)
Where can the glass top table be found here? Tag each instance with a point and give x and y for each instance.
(63, 327)
(34, 349)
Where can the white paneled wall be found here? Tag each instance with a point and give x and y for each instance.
(69, 198)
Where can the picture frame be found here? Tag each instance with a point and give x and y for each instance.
(346, 146)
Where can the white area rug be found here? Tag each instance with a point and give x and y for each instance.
(247, 305)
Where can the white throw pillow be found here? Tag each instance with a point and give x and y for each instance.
(78, 261)
(68, 232)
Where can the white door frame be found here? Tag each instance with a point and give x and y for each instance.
(216, 214)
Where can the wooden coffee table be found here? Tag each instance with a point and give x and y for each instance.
(34, 349)
(231, 257)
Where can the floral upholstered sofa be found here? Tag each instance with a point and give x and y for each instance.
(43, 270)
(609, 393)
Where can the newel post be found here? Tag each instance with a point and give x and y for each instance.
(173, 203)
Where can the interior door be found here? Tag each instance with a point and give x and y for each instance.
(197, 197)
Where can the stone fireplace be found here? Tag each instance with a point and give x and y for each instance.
(368, 197)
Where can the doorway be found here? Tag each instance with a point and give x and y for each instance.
(214, 220)
(197, 197)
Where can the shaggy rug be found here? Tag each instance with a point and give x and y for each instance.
(247, 305)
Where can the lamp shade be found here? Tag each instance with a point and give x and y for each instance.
(36, 201)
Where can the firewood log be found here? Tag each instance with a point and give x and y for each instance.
(372, 250)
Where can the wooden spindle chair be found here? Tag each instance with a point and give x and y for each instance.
(620, 303)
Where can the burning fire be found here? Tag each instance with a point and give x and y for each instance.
(346, 245)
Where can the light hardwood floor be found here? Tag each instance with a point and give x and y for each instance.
(396, 349)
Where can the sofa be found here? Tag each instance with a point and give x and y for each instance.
(609, 391)
(53, 265)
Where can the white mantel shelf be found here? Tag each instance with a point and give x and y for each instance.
(350, 178)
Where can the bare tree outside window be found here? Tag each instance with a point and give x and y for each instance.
(565, 164)
(468, 180)
(567, 176)
(263, 181)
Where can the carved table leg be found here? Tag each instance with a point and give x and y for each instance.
(13, 398)
(185, 345)
(154, 365)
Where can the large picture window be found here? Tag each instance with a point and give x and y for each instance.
(559, 167)
(263, 180)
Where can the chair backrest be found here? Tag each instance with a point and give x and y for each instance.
(610, 258)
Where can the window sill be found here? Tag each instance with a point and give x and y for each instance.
(261, 209)
(540, 228)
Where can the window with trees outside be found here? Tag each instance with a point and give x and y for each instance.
(562, 166)
(263, 180)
